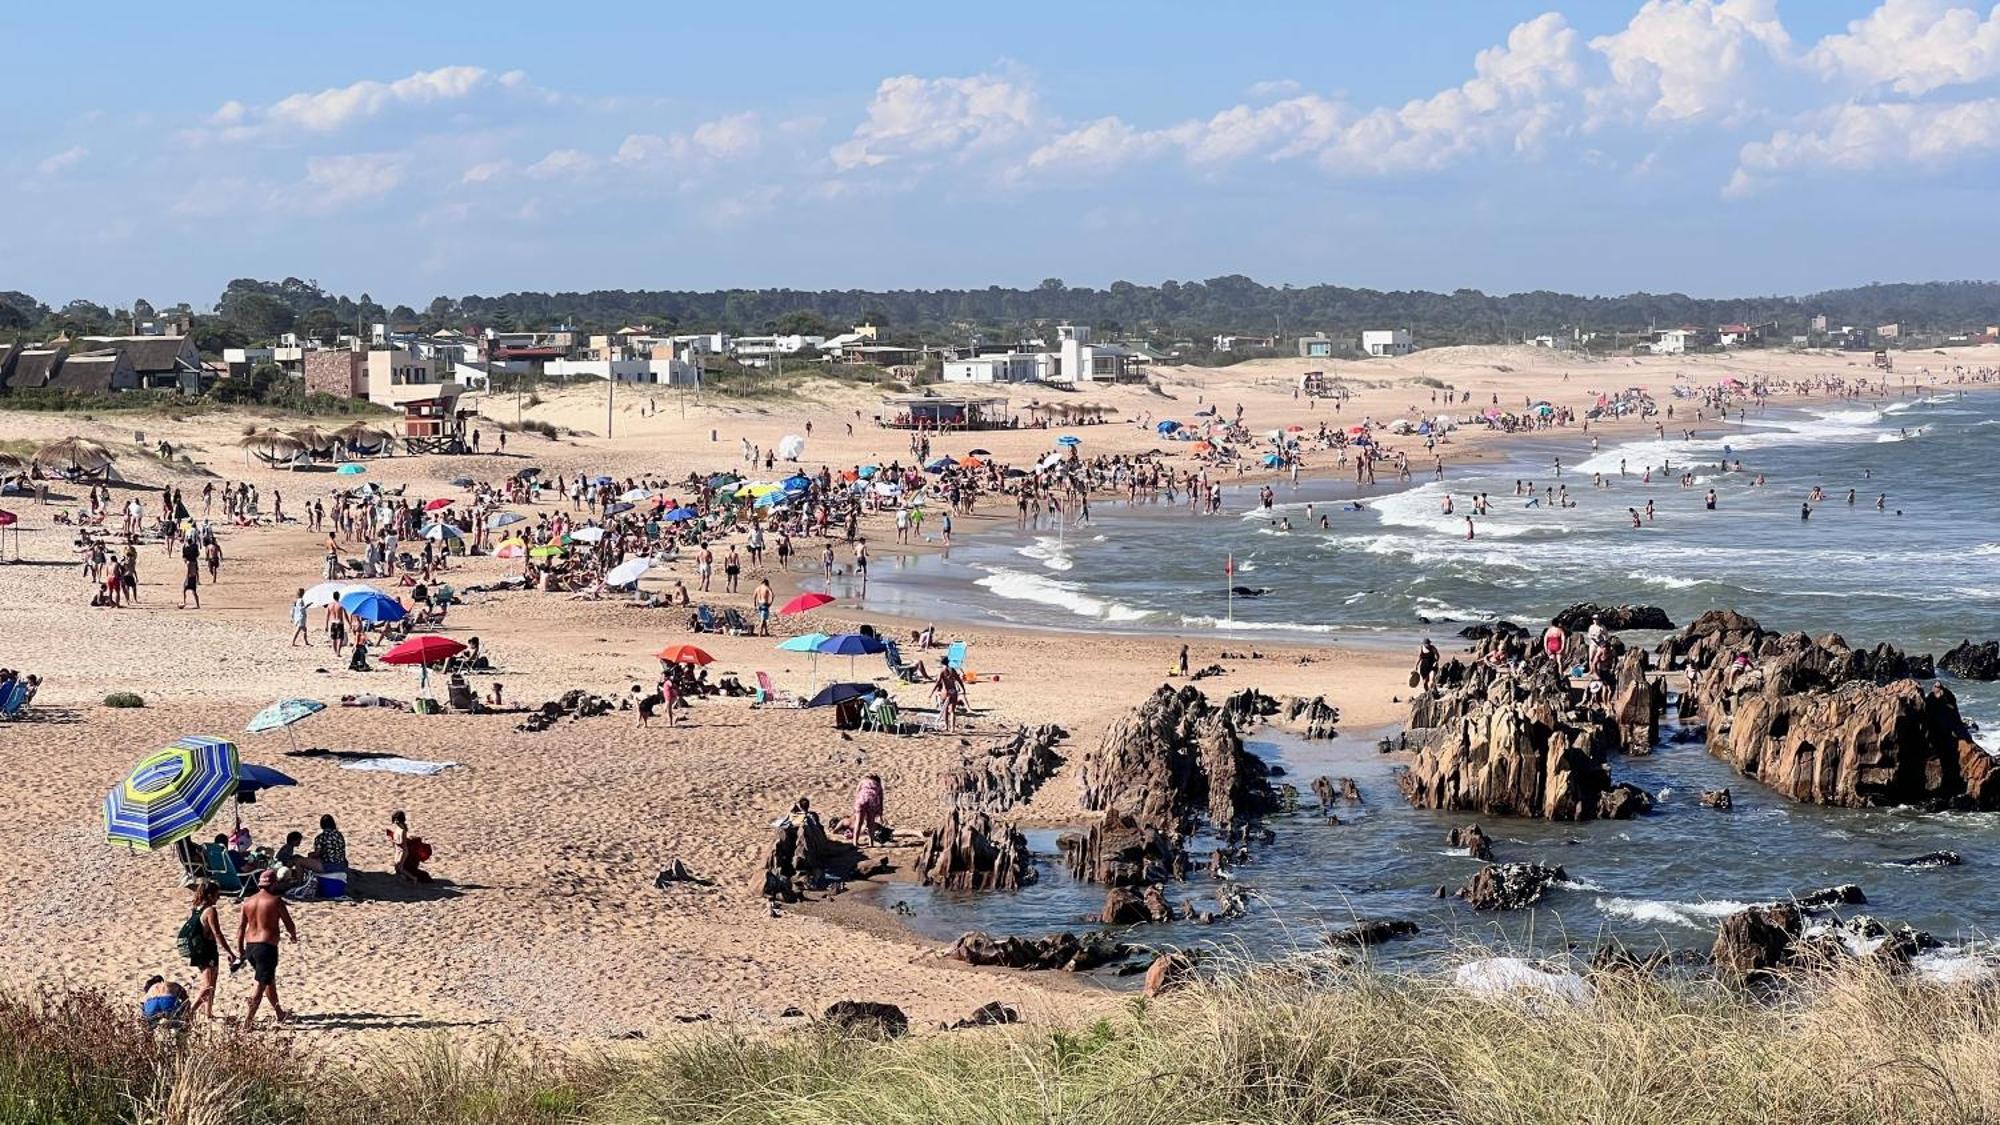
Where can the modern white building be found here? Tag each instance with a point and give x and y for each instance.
(754, 350)
(1386, 342)
(398, 375)
(1080, 360)
(1243, 343)
(665, 372)
(1006, 367)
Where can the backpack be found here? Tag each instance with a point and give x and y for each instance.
(193, 941)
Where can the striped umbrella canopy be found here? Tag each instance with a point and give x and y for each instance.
(502, 519)
(171, 793)
(284, 713)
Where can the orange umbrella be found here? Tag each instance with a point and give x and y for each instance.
(685, 654)
(970, 463)
(1203, 447)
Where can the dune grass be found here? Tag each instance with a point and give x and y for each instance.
(1272, 1045)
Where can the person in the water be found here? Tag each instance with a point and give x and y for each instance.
(1805, 512)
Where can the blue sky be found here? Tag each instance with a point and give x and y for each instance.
(1718, 147)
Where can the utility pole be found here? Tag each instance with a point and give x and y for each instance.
(610, 396)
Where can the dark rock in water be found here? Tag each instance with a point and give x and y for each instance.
(1118, 851)
(1509, 886)
(1066, 952)
(1245, 708)
(969, 852)
(1176, 756)
(1577, 618)
(1169, 971)
(863, 1017)
(990, 1014)
(1124, 906)
(1929, 859)
(1638, 699)
(1371, 933)
(1473, 839)
(1751, 944)
(1716, 799)
(1845, 894)
(1488, 629)
(1624, 801)
(1313, 718)
(1249, 591)
(1328, 791)
(1969, 661)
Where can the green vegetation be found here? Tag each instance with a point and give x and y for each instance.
(1312, 1043)
(124, 699)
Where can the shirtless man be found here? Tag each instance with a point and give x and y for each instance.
(257, 937)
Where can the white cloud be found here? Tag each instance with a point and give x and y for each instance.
(1684, 60)
(1867, 138)
(1098, 148)
(333, 182)
(561, 162)
(1275, 88)
(481, 173)
(730, 138)
(912, 117)
(735, 137)
(1914, 47)
(337, 107)
(60, 161)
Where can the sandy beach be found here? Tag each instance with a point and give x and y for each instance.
(545, 923)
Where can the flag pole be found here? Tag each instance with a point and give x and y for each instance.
(1229, 583)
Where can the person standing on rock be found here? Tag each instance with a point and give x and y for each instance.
(1427, 664)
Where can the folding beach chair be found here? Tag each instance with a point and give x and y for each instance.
(769, 696)
(882, 716)
(222, 869)
(704, 620)
(13, 699)
(892, 654)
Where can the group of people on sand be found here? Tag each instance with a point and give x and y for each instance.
(272, 882)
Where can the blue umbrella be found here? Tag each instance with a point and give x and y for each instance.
(805, 642)
(939, 464)
(840, 693)
(1272, 460)
(602, 479)
(252, 778)
(351, 470)
(617, 509)
(867, 471)
(171, 793)
(798, 483)
(852, 644)
(1168, 426)
(772, 500)
(681, 513)
(502, 519)
(373, 607)
(1069, 441)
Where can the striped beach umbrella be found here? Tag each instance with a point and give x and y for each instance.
(283, 714)
(173, 792)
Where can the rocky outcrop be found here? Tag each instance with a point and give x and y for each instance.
(1173, 758)
(1373, 932)
(801, 857)
(1125, 906)
(1509, 742)
(1330, 792)
(970, 852)
(1843, 894)
(1473, 839)
(1928, 860)
(990, 1014)
(1716, 799)
(1065, 952)
(1616, 618)
(1509, 886)
(1825, 723)
(1969, 661)
(1249, 707)
(1006, 773)
(867, 1018)
(1169, 971)
(1312, 718)
(1638, 699)
(1623, 801)
(1119, 851)
(1752, 944)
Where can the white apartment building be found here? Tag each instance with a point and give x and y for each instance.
(1386, 342)
(664, 372)
(1006, 367)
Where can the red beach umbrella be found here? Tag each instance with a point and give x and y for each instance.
(685, 654)
(805, 602)
(440, 502)
(427, 649)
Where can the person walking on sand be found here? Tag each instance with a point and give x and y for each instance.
(203, 944)
(299, 635)
(761, 600)
(191, 582)
(263, 914)
(950, 690)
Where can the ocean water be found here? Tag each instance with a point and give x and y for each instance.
(1922, 572)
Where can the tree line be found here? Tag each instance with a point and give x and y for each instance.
(253, 311)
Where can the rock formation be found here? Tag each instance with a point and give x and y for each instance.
(1373, 932)
(1752, 944)
(1969, 661)
(1638, 699)
(1825, 723)
(1577, 618)
(1169, 971)
(863, 1017)
(1509, 886)
(1172, 757)
(1119, 851)
(1473, 839)
(1312, 718)
(1716, 799)
(969, 852)
(801, 857)
(1065, 952)
(1124, 906)
(1929, 859)
(1007, 773)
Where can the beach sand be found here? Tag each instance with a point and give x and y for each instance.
(545, 924)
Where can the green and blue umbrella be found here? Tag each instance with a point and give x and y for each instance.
(351, 470)
(171, 793)
(283, 714)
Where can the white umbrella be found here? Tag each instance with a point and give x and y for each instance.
(499, 520)
(627, 572)
(587, 534)
(792, 447)
(327, 593)
(634, 495)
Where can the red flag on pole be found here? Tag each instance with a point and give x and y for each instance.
(1229, 564)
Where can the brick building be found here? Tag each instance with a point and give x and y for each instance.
(342, 374)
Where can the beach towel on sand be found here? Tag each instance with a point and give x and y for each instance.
(399, 765)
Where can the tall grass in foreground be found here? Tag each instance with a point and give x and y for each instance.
(1274, 1045)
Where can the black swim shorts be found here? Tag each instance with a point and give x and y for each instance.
(263, 958)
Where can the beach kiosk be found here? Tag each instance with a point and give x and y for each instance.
(940, 412)
(433, 425)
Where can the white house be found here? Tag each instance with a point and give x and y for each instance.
(758, 349)
(1316, 346)
(1385, 342)
(1243, 343)
(664, 372)
(1006, 367)
(1079, 360)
